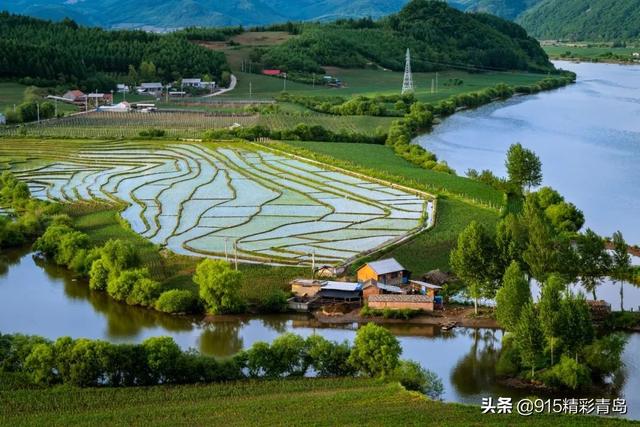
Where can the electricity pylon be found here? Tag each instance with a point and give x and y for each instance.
(407, 83)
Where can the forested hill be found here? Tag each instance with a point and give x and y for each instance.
(65, 53)
(438, 35)
(584, 19)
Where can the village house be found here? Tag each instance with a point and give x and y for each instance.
(373, 287)
(122, 88)
(3, 119)
(96, 99)
(153, 88)
(197, 84)
(386, 271)
(121, 107)
(271, 72)
(75, 96)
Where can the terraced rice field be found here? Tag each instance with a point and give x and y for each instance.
(216, 199)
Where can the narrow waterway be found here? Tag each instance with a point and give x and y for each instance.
(37, 298)
(586, 134)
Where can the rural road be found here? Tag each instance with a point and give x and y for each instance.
(232, 86)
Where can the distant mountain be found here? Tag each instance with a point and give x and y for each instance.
(508, 9)
(167, 14)
(584, 19)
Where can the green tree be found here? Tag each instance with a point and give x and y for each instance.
(118, 255)
(512, 297)
(121, 286)
(551, 318)
(41, 364)
(595, 261)
(148, 71)
(163, 358)
(577, 331)
(145, 292)
(375, 352)
(523, 167)
(472, 261)
(98, 276)
(219, 286)
(621, 263)
(528, 338)
(329, 359)
(511, 240)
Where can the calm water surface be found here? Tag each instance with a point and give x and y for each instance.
(36, 298)
(587, 136)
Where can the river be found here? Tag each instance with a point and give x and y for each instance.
(41, 299)
(586, 134)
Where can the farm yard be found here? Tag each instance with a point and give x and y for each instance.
(187, 124)
(216, 199)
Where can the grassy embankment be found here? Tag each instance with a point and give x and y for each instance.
(10, 94)
(299, 402)
(428, 250)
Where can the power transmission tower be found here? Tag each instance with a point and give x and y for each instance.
(407, 83)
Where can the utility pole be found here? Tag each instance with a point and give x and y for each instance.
(235, 248)
(285, 82)
(436, 82)
(55, 103)
(250, 89)
(38, 110)
(313, 264)
(314, 80)
(226, 252)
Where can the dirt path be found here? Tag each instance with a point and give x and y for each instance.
(232, 86)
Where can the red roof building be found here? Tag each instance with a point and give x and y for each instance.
(271, 72)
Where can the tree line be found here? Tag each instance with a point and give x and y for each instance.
(48, 53)
(540, 239)
(159, 360)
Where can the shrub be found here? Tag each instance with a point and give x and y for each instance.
(177, 301)
(274, 302)
(328, 358)
(98, 276)
(120, 286)
(145, 292)
(414, 377)
(568, 373)
(219, 286)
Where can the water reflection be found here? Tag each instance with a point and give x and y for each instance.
(48, 302)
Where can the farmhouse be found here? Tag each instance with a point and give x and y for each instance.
(386, 271)
(3, 119)
(401, 302)
(122, 88)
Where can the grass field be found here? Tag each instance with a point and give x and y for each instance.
(591, 52)
(10, 94)
(309, 402)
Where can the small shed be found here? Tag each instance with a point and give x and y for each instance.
(271, 72)
(75, 96)
(438, 277)
(424, 288)
(341, 291)
(305, 287)
(400, 302)
(386, 271)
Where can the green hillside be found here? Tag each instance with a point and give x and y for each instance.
(584, 19)
(438, 35)
(508, 9)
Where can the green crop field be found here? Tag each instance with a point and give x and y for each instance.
(311, 402)
(382, 158)
(376, 82)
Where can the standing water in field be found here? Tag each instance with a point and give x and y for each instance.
(40, 299)
(587, 136)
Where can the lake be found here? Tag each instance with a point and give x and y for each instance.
(41, 299)
(586, 134)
